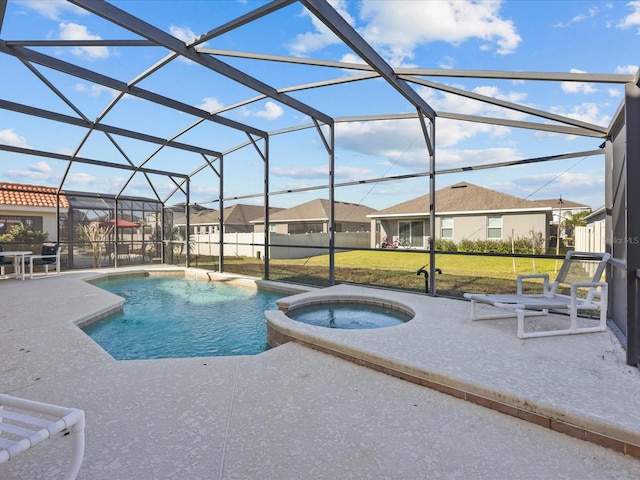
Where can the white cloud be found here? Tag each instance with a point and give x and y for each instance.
(38, 173)
(633, 19)
(584, 16)
(402, 142)
(586, 112)
(210, 104)
(628, 69)
(271, 111)
(53, 9)
(94, 90)
(342, 173)
(10, 137)
(321, 37)
(449, 158)
(398, 27)
(568, 181)
(578, 87)
(614, 93)
(182, 33)
(74, 31)
(40, 167)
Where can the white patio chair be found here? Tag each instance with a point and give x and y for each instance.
(48, 258)
(579, 277)
(26, 423)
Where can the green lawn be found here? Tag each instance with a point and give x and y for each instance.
(397, 269)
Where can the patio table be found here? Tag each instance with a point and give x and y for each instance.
(18, 261)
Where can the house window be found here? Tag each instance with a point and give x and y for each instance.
(6, 222)
(494, 226)
(304, 227)
(273, 228)
(411, 233)
(446, 227)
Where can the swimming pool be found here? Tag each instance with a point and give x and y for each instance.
(176, 317)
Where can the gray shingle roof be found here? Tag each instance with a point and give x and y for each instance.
(318, 209)
(554, 203)
(462, 197)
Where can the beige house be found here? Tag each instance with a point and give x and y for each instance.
(32, 206)
(237, 218)
(463, 211)
(313, 217)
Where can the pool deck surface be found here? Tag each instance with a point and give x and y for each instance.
(299, 413)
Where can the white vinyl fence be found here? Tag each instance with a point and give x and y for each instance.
(288, 246)
(591, 238)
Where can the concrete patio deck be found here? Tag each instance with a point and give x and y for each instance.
(298, 413)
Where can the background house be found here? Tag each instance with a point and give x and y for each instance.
(562, 212)
(313, 217)
(463, 211)
(237, 218)
(32, 206)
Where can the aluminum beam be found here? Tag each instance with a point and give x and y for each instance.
(91, 76)
(88, 161)
(148, 31)
(503, 103)
(339, 26)
(78, 122)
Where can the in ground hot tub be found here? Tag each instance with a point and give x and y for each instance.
(348, 315)
(341, 308)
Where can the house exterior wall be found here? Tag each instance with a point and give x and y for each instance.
(466, 227)
(49, 222)
(475, 227)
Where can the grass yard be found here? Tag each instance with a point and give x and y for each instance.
(397, 269)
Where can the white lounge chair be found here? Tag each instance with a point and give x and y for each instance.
(26, 423)
(49, 258)
(579, 277)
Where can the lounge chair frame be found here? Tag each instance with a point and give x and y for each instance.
(523, 305)
(26, 423)
(45, 260)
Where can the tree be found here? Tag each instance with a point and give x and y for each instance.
(574, 220)
(96, 235)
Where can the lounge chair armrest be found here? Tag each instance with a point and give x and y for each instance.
(544, 276)
(602, 285)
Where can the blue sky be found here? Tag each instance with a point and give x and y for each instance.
(543, 36)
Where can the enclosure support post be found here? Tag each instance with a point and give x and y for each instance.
(332, 224)
(266, 208)
(188, 224)
(632, 221)
(221, 216)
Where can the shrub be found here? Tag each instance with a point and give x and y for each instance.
(521, 245)
(24, 238)
(444, 245)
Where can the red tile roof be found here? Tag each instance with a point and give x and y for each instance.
(21, 195)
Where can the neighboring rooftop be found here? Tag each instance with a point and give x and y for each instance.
(566, 204)
(463, 197)
(318, 210)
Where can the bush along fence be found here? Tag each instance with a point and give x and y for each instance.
(533, 244)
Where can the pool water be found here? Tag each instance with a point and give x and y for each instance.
(348, 316)
(173, 317)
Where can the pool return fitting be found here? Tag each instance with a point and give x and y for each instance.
(425, 271)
